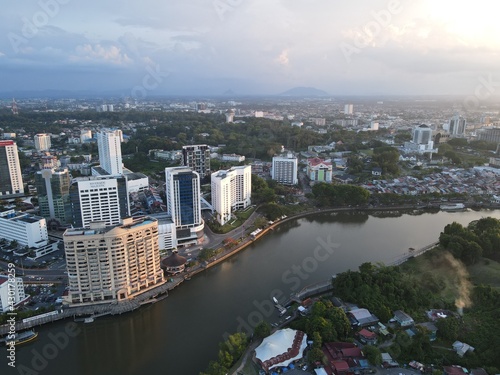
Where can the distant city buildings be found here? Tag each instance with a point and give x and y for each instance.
(42, 142)
(285, 169)
(85, 135)
(11, 179)
(319, 170)
(421, 140)
(182, 190)
(233, 157)
(489, 135)
(318, 121)
(229, 116)
(348, 109)
(231, 190)
(116, 263)
(11, 293)
(197, 157)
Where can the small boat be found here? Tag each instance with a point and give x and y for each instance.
(89, 320)
(20, 338)
(275, 300)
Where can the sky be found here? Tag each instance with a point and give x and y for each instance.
(252, 47)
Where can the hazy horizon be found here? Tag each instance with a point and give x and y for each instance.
(251, 47)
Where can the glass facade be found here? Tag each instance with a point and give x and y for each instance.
(186, 193)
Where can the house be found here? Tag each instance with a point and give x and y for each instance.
(387, 361)
(478, 371)
(461, 348)
(340, 367)
(377, 171)
(454, 370)
(367, 337)
(403, 318)
(362, 318)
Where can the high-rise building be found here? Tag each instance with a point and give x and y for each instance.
(11, 179)
(11, 292)
(52, 186)
(197, 157)
(422, 134)
(231, 190)
(116, 263)
(42, 142)
(103, 198)
(457, 126)
(285, 169)
(183, 203)
(348, 109)
(110, 152)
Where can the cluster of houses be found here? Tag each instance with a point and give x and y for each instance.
(474, 181)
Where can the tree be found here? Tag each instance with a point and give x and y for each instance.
(315, 355)
(448, 328)
(263, 329)
(373, 354)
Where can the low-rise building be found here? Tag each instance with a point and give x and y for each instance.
(403, 318)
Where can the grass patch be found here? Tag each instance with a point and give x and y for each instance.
(487, 272)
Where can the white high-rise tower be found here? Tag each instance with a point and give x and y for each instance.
(11, 178)
(110, 153)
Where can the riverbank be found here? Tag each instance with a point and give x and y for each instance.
(246, 240)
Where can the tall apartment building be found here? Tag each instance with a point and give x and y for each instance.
(348, 109)
(197, 157)
(103, 198)
(457, 126)
(11, 179)
(11, 292)
(112, 263)
(183, 203)
(110, 152)
(52, 186)
(231, 190)
(285, 169)
(42, 142)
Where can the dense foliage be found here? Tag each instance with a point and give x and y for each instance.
(480, 238)
(382, 290)
(325, 323)
(339, 195)
(230, 352)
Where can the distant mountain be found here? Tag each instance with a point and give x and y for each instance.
(304, 91)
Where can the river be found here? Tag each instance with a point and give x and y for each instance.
(180, 334)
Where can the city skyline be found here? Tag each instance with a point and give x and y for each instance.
(250, 48)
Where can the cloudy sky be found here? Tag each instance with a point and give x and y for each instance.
(250, 46)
